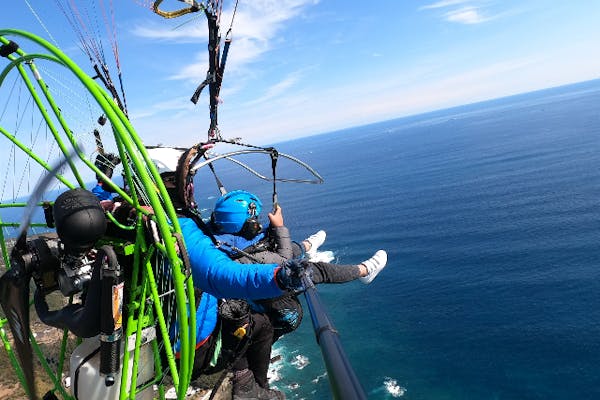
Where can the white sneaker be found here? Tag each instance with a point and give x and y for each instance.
(315, 241)
(374, 266)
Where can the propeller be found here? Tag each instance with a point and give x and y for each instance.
(14, 283)
(14, 298)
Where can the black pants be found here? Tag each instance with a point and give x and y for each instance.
(258, 353)
(323, 272)
(255, 354)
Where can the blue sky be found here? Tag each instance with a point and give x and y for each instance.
(303, 67)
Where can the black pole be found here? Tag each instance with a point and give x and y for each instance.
(344, 382)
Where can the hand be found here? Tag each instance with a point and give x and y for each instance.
(276, 217)
(108, 205)
(289, 275)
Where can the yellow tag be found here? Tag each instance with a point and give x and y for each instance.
(117, 308)
(240, 332)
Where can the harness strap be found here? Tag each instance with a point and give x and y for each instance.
(184, 254)
(220, 185)
(107, 82)
(216, 61)
(274, 157)
(200, 87)
(214, 39)
(201, 224)
(221, 67)
(240, 252)
(239, 352)
(235, 252)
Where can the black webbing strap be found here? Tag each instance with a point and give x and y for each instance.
(239, 253)
(98, 139)
(201, 224)
(239, 352)
(198, 91)
(219, 77)
(216, 67)
(220, 185)
(214, 40)
(107, 82)
(274, 157)
(8, 48)
(223, 61)
(221, 70)
(187, 265)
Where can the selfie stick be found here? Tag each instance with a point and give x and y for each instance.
(343, 380)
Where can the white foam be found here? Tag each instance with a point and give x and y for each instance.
(322, 256)
(300, 361)
(274, 372)
(274, 375)
(393, 388)
(319, 377)
(277, 350)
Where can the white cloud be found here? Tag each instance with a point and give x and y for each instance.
(281, 114)
(174, 105)
(340, 107)
(190, 32)
(442, 4)
(305, 111)
(278, 89)
(460, 11)
(255, 27)
(466, 15)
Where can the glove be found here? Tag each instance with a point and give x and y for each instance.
(289, 275)
(106, 163)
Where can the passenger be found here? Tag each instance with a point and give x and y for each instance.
(221, 278)
(235, 225)
(106, 162)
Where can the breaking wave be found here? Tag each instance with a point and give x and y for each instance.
(300, 361)
(323, 256)
(392, 387)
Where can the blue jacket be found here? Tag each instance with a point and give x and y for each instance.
(228, 242)
(102, 194)
(220, 277)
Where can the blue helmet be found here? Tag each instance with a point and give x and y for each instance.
(233, 210)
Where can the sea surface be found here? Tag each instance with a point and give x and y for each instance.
(489, 214)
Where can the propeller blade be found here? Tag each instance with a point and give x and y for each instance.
(41, 186)
(14, 284)
(14, 299)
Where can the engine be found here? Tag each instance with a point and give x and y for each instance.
(71, 262)
(65, 262)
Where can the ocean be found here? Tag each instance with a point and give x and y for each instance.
(489, 214)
